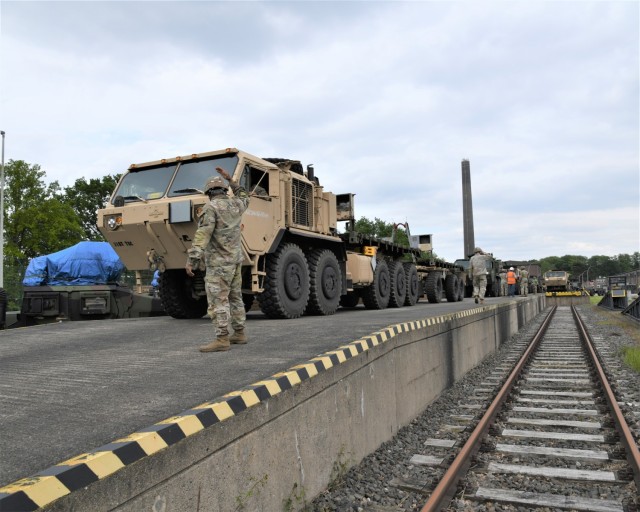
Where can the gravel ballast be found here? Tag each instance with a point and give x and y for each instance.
(376, 484)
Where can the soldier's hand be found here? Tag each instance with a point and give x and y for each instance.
(189, 269)
(223, 173)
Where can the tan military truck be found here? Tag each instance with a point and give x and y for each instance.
(295, 259)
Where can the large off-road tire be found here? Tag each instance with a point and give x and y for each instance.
(413, 284)
(433, 288)
(376, 295)
(350, 300)
(398, 284)
(451, 288)
(175, 289)
(325, 282)
(286, 285)
(461, 280)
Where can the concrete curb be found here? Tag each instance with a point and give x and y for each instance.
(195, 457)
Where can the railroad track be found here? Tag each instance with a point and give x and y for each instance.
(546, 432)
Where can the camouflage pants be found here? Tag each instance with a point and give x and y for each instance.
(504, 288)
(224, 295)
(479, 286)
(524, 287)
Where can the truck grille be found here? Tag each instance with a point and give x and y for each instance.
(301, 195)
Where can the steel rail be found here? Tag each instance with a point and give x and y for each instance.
(631, 449)
(445, 490)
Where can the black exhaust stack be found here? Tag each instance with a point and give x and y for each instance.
(467, 210)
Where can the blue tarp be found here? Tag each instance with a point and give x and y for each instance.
(85, 263)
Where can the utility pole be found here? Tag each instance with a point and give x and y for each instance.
(2, 216)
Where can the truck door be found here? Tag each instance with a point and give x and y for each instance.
(259, 223)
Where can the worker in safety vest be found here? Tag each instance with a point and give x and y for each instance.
(511, 282)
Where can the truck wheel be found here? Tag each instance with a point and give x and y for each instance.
(460, 288)
(413, 284)
(350, 300)
(451, 288)
(325, 281)
(286, 285)
(247, 298)
(175, 289)
(376, 295)
(433, 288)
(397, 285)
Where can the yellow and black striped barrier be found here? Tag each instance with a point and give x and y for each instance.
(574, 293)
(43, 488)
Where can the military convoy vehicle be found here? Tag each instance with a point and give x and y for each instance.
(295, 259)
(557, 281)
(81, 282)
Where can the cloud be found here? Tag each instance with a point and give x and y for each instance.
(384, 98)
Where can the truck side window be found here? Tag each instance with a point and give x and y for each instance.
(255, 181)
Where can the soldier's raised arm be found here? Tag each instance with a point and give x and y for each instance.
(223, 173)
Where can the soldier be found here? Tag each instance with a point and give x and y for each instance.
(534, 284)
(524, 282)
(218, 240)
(478, 272)
(503, 282)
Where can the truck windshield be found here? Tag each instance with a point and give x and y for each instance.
(152, 183)
(145, 184)
(192, 176)
(462, 263)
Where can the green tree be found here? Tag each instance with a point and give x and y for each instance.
(37, 222)
(378, 228)
(550, 263)
(86, 197)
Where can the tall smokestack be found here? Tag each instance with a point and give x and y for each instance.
(467, 210)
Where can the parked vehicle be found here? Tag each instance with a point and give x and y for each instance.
(557, 281)
(296, 260)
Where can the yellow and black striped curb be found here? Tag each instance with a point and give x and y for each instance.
(45, 487)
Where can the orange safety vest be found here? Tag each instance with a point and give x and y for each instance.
(511, 277)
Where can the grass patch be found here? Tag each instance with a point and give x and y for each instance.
(631, 356)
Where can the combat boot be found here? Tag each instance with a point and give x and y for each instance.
(238, 337)
(220, 344)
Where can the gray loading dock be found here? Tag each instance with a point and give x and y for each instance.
(296, 436)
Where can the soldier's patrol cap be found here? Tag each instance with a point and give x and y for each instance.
(215, 182)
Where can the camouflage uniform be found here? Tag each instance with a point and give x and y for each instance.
(503, 283)
(524, 282)
(478, 271)
(218, 238)
(534, 284)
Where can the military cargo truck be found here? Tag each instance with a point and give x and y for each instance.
(557, 281)
(296, 261)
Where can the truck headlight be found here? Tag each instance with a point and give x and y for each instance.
(114, 223)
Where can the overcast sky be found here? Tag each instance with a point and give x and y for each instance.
(384, 98)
